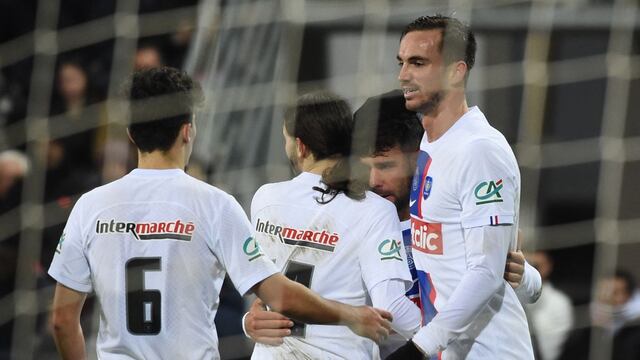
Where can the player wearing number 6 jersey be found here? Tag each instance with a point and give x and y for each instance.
(154, 247)
(325, 231)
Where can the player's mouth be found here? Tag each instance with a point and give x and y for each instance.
(409, 91)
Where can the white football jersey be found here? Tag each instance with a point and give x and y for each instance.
(339, 250)
(154, 246)
(467, 178)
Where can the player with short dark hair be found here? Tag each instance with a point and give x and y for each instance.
(464, 204)
(155, 245)
(458, 41)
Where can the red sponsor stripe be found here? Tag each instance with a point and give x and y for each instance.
(423, 183)
(499, 182)
(432, 293)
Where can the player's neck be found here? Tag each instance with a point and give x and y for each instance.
(317, 166)
(404, 214)
(450, 110)
(161, 160)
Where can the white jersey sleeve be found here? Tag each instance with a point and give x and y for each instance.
(238, 250)
(382, 254)
(70, 266)
(530, 288)
(487, 249)
(489, 185)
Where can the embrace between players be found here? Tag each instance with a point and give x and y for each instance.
(433, 266)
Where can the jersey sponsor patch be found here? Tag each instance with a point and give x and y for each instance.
(59, 247)
(488, 192)
(426, 237)
(389, 249)
(251, 248)
(428, 183)
(174, 230)
(315, 239)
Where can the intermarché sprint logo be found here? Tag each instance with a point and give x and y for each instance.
(315, 239)
(488, 192)
(390, 250)
(161, 230)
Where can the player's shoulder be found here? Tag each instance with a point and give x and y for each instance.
(274, 190)
(373, 204)
(478, 137)
(100, 193)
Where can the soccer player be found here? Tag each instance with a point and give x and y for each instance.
(464, 205)
(155, 245)
(325, 230)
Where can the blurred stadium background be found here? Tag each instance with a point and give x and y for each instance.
(558, 78)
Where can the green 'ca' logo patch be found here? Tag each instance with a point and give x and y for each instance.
(488, 192)
(251, 248)
(59, 247)
(390, 250)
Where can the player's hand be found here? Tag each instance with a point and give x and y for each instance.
(514, 269)
(372, 323)
(266, 327)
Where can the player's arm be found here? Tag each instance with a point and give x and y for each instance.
(487, 248)
(389, 294)
(384, 268)
(65, 322)
(523, 278)
(269, 327)
(296, 301)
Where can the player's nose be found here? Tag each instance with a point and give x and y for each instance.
(374, 179)
(403, 74)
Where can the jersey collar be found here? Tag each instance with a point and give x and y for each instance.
(156, 172)
(308, 178)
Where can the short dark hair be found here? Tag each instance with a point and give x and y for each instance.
(384, 122)
(161, 101)
(458, 41)
(324, 123)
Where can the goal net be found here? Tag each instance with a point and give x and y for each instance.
(558, 78)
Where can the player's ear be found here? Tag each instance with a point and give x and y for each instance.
(130, 138)
(186, 133)
(458, 73)
(301, 149)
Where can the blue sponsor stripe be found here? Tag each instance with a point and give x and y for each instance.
(417, 183)
(427, 297)
(414, 291)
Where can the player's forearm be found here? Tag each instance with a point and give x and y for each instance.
(297, 302)
(390, 295)
(531, 287)
(65, 322)
(478, 285)
(304, 305)
(69, 340)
